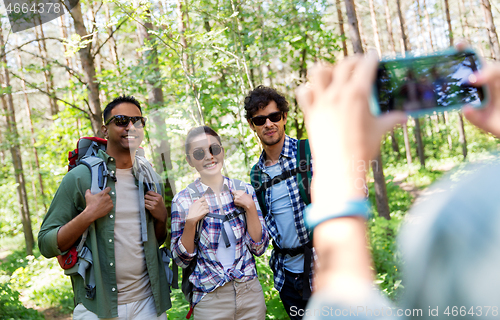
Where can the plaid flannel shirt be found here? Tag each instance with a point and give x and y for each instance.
(209, 273)
(287, 161)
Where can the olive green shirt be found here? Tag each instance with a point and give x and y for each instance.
(68, 202)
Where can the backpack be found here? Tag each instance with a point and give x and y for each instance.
(85, 153)
(302, 171)
(187, 286)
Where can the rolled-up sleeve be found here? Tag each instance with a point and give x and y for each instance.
(181, 256)
(66, 204)
(257, 248)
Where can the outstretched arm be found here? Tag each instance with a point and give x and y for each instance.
(336, 110)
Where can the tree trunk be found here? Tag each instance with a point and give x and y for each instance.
(402, 27)
(461, 129)
(375, 28)
(462, 137)
(15, 150)
(33, 139)
(446, 122)
(88, 66)
(406, 46)
(380, 188)
(429, 26)
(420, 144)
(388, 21)
(163, 160)
(182, 20)
(394, 143)
(448, 20)
(420, 26)
(490, 25)
(341, 26)
(407, 144)
(377, 165)
(353, 26)
(49, 79)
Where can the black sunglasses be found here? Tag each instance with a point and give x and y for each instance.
(123, 121)
(214, 149)
(261, 120)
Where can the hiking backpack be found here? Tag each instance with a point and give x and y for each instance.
(303, 171)
(85, 153)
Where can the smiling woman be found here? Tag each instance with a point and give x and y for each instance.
(215, 239)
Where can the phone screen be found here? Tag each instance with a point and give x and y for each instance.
(432, 82)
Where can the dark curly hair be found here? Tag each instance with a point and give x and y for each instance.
(260, 97)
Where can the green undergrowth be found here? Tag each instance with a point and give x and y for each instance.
(35, 282)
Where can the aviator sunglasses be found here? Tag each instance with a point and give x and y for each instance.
(123, 121)
(214, 149)
(261, 120)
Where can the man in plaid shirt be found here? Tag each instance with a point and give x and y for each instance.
(266, 113)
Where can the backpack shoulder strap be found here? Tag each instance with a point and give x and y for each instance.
(98, 173)
(304, 174)
(256, 180)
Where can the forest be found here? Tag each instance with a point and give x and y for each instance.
(191, 63)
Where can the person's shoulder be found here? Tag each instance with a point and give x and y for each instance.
(77, 173)
(182, 196)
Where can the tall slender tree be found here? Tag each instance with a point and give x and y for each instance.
(156, 99)
(32, 134)
(492, 31)
(377, 164)
(405, 47)
(15, 149)
(88, 66)
(461, 129)
(341, 28)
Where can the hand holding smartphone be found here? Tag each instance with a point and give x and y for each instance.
(424, 85)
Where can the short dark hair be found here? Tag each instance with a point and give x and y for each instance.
(260, 97)
(194, 132)
(117, 101)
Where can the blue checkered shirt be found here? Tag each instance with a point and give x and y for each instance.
(287, 161)
(209, 273)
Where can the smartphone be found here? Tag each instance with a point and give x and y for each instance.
(428, 84)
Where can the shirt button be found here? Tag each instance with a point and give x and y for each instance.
(111, 264)
(110, 240)
(112, 192)
(111, 159)
(111, 216)
(112, 172)
(113, 289)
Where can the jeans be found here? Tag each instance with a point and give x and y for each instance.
(291, 295)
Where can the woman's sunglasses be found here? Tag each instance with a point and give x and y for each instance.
(214, 149)
(123, 121)
(261, 120)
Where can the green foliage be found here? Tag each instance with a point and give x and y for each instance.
(386, 257)
(12, 308)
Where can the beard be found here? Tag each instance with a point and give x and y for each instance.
(271, 141)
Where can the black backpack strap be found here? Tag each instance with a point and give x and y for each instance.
(303, 170)
(256, 180)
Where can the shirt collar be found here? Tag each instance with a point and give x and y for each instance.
(204, 188)
(288, 151)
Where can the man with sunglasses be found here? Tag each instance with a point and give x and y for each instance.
(266, 113)
(130, 279)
